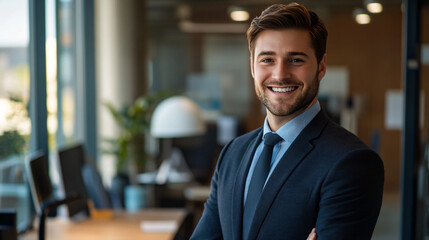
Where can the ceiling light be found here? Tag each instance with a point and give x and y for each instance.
(238, 14)
(361, 16)
(374, 6)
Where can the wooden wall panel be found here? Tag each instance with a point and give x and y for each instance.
(372, 53)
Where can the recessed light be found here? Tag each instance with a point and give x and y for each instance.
(238, 14)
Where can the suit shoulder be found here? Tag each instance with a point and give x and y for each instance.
(338, 143)
(336, 134)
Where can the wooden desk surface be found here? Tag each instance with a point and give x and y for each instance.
(122, 226)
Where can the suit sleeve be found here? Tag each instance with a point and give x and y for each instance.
(350, 198)
(209, 226)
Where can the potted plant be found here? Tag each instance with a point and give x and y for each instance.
(130, 149)
(134, 123)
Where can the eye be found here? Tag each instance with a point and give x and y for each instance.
(296, 61)
(267, 60)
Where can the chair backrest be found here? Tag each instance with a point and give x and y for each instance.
(8, 224)
(38, 179)
(95, 187)
(70, 161)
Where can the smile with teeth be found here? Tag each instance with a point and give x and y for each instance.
(283, 89)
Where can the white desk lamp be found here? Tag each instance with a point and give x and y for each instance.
(175, 117)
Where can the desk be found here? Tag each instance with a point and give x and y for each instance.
(123, 226)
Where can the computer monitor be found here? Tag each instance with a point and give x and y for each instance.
(39, 181)
(70, 161)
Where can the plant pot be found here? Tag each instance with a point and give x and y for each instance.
(135, 198)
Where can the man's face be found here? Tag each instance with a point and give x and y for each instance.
(286, 72)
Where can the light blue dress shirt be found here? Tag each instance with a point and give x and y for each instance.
(288, 132)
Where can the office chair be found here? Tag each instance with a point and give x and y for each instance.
(95, 187)
(8, 224)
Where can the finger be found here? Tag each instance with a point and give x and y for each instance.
(313, 235)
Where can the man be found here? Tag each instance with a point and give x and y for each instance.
(319, 175)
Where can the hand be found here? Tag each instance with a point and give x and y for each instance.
(313, 235)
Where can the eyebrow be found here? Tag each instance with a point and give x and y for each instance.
(271, 53)
(298, 54)
(266, 53)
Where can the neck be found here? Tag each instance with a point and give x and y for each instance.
(275, 122)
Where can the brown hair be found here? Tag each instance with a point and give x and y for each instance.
(293, 15)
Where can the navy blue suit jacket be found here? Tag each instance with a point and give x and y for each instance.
(327, 179)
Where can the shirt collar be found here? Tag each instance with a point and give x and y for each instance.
(290, 130)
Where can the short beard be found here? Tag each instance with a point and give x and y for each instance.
(300, 104)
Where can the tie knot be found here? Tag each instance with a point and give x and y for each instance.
(272, 139)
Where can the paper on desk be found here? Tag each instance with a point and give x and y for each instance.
(158, 226)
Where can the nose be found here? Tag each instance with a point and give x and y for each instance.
(281, 71)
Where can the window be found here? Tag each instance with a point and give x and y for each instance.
(43, 104)
(15, 124)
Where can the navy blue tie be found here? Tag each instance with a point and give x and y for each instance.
(258, 181)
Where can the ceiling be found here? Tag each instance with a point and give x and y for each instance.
(216, 11)
(265, 3)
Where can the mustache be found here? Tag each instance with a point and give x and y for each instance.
(282, 83)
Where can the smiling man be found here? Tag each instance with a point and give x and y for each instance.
(286, 73)
(299, 171)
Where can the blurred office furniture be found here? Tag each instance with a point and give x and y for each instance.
(81, 176)
(41, 189)
(116, 191)
(175, 117)
(163, 223)
(14, 192)
(95, 188)
(202, 159)
(38, 179)
(185, 150)
(71, 160)
(154, 224)
(8, 230)
(52, 204)
(135, 197)
(200, 153)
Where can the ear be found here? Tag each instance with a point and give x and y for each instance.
(322, 68)
(251, 66)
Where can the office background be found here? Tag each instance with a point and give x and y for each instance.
(114, 51)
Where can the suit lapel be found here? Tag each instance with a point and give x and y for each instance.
(290, 160)
(239, 184)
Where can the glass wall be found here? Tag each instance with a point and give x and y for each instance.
(15, 125)
(23, 127)
(65, 84)
(68, 85)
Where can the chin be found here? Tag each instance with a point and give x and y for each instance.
(287, 110)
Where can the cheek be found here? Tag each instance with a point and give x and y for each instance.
(257, 82)
(308, 76)
(260, 74)
(256, 77)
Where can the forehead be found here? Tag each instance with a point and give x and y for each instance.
(283, 41)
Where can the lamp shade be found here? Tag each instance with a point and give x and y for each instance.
(177, 117)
